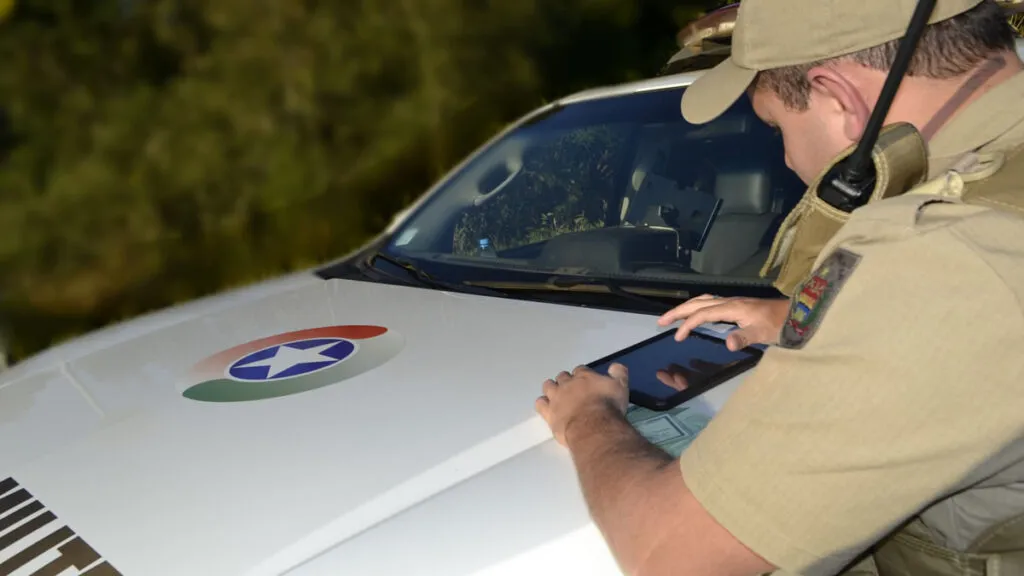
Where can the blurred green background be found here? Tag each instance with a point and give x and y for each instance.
(154, 151)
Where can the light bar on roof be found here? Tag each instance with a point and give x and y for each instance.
(712, 26)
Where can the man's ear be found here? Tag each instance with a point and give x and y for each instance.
(842, 97)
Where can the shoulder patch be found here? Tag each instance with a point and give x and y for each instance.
(811, 301)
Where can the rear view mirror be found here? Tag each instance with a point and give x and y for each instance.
(497, 177)
(495, 180)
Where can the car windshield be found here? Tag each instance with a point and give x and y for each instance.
(615, 188)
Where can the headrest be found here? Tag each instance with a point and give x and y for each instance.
(745, 191)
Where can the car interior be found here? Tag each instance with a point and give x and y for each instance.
(755, 194)
(696, 202)
(694, 199)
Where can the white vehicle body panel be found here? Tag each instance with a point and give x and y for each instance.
(164, 485)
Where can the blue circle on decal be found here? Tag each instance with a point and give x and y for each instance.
(291, 359)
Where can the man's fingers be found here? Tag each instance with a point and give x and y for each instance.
(686, 308)
(620, 373)
(562, 377)
(737, 339)
(729, 312)
(704, 297)
(581, 370)
(549, 388)
(543, 407)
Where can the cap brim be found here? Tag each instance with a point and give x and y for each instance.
(715, 91)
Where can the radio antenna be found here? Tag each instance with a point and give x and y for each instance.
(850, 183)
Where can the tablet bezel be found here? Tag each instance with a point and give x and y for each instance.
(713, 380)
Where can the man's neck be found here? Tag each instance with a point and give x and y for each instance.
(930, 104)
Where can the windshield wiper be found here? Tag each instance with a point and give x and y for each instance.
(649, 297)
(429, 281)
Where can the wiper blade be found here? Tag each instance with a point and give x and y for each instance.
(646, 295)
(428, 280)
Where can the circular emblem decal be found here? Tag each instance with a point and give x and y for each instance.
(291, 363)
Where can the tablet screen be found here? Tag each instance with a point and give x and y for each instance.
(664, 373)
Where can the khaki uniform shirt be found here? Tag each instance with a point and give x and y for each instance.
(897, 389)
(992, 123)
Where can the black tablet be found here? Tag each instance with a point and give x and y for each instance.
(664, 373)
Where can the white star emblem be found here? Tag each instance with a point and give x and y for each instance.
(286, 357)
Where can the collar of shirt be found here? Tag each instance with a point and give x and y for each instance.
(993, 122)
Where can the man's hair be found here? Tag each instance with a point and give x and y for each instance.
(947, 49)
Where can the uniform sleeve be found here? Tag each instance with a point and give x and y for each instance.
(898, 375)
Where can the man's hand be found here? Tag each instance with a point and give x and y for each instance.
(583, 392)
(760, 320)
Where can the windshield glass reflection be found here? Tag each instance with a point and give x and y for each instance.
(619, 188)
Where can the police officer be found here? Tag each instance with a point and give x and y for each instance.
(957, 61)
(884, 433)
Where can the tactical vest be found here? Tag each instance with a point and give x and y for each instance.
(901, 163)
(997, 181)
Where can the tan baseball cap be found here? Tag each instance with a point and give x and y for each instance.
(776, 33)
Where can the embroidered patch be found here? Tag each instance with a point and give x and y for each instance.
(810, 303)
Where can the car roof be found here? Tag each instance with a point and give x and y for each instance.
(656, 83)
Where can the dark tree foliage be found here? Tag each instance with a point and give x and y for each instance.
(154, 151)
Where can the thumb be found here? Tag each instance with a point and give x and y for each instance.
(737, 339)
(620, 373)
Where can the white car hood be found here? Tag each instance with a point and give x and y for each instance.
(161, 484)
